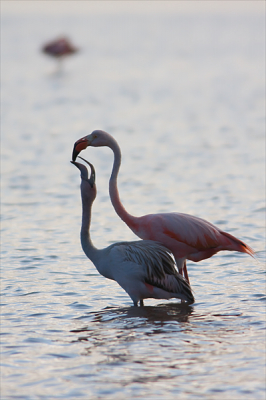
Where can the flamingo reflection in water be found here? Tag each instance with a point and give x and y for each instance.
(186, 236)
(144, 268)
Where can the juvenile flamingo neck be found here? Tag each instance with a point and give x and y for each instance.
(86, 243)
(98, 257)
(129, 219)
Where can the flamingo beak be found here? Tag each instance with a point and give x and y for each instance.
(92, 178)
(80, 144)
(84, 171)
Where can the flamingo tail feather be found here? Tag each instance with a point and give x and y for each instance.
(239, 245)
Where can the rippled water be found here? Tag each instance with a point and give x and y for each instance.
(183, 93)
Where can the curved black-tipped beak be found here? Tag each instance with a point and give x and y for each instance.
(80, 144)
(84, 171)
(92, 178)
(74, 155)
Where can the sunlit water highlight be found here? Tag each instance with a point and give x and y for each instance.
(184, 96)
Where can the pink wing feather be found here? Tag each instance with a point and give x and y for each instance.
(188, 236)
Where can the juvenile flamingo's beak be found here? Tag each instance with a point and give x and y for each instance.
(80, 144)
(92, 178)
(84, 171)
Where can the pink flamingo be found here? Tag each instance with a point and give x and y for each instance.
(186, 236)
(144, 269)
(59, 48)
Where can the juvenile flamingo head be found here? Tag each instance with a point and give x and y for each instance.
(97, 138)
(84, 172)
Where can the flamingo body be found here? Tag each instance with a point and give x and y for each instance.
(134, 266)
(186, 236)
(144, 269)
(59, 48)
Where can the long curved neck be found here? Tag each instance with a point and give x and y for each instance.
(86, 243)
(98, 257)
(129, 219)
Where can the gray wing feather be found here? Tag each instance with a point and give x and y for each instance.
(155, 257)
(159, 266)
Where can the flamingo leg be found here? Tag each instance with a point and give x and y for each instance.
(185, 271)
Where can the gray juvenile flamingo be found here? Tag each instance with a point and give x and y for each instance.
(186, 236)
(144, 269)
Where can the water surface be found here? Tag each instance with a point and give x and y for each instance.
(183, 94)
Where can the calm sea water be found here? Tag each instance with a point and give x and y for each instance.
(184, 95)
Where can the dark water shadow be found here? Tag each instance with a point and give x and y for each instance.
(135, 317)
(159, 313)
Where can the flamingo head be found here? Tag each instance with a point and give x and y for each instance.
(85, 179)
(97, 138)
